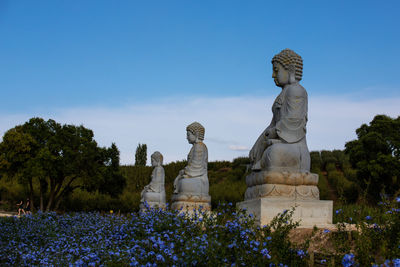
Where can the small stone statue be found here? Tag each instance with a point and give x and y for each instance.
(154, 193)
(191, 185)
(280, 157)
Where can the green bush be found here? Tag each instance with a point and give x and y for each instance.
(82, 200)
(376, 239)
(330, 167)
(316, 161)
(11, 193)
(345, 189)
(227, 192)
(323, 187)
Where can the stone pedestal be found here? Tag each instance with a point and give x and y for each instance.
(187, 202)
(308, 212)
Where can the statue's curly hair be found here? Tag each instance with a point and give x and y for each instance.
(290, 61)
(157, 156)
(197, 129)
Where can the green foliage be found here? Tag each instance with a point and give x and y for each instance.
(316, 161)
(376, 156)
(141, 155)
(346, 189)
(60, 158)
(323, 187)
(113, 182)
(327, 157)
(377, 231)
(335, 175)
(227, 181)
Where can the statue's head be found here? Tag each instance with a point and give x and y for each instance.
(195, 132)
(156, 159)
(287, 67)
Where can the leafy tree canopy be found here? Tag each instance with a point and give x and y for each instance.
(60, 157)
(376, 156)
(141, 155)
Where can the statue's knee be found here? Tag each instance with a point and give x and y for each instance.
(282, 155)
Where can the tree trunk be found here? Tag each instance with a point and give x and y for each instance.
(31, 194)
(58, 196)
(41, 196)
(51, 197)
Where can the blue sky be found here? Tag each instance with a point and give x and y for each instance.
(82, 62)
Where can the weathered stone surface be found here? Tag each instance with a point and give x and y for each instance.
(285, 184)
(280, 175)
(308, 212)
(285, 177)
(283, 146)
(154, 193)
(191, 185)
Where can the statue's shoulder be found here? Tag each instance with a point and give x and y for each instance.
(295, 90)
(159, 168)
(200, 146)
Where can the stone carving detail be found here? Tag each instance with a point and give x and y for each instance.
(154, 193)
(191, 185)
(280, 157)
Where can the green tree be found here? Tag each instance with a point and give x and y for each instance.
(141, 155)
(113, 180)
(376, 156)
(59, 157)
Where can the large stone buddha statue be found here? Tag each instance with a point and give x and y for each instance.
(280, 157)
(191, 185)
(154, 192)
(280, 175)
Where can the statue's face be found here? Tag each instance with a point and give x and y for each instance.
(154, 162)
(190, 137)
(280, 74)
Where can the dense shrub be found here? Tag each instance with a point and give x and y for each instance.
(316, 161)
(81, 200)
(346, 189)
(227, 192)
(323, 187)
(376, 238)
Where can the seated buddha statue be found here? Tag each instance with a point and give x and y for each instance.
(280, 154)
(154, 192)
(191, 184)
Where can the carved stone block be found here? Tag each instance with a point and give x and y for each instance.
(308, 212)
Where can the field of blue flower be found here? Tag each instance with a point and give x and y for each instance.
(157, 237)
(169, 238)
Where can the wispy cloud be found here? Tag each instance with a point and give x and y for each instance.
(239, 148)
(232, 124)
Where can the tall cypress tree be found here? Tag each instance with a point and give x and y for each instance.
(141, 155)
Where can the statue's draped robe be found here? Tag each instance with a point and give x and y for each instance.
(157, 180)
(197, 161)
(196, 169)
(156, 184)
(289, 121)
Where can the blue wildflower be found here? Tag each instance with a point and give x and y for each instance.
(368, 218)
(265, 253)
(348, 260)
(300, 253)
(160, 258)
